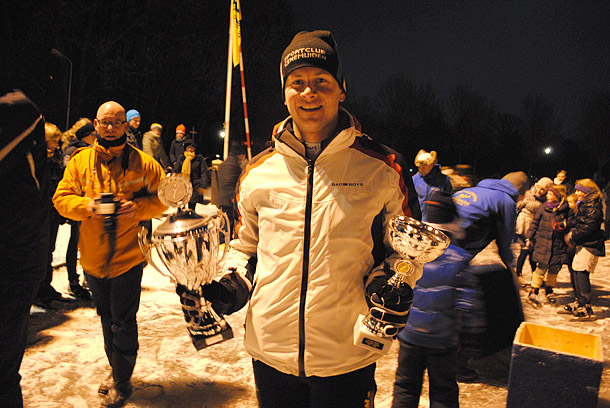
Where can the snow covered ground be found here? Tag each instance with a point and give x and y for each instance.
(65, 361)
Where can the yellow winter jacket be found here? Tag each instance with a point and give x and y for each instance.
(95, 170)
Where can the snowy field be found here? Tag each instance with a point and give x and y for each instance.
(65, 361)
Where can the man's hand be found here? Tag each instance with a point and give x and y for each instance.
(127, 209)
(91, 210)
(219, 295)
(389, 304)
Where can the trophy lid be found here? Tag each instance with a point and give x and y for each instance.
(181, 223)
(175, 190)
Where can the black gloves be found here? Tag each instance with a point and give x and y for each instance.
(226, 296)
(220, 295)
(389, 304)
(214, 292)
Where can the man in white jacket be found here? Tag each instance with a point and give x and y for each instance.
(311, 237)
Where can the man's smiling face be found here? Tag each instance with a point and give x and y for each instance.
(312, 98)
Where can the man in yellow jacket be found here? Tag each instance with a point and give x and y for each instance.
(127, 179)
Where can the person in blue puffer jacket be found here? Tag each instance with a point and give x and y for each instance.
(447, 305)
(429, 178)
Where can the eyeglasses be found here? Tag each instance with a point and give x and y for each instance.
(114, 123)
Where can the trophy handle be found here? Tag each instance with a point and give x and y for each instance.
(145, 247)
(226, 233)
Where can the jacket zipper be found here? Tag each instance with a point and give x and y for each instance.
(305, 274)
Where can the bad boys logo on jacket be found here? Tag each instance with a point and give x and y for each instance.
(347, 184)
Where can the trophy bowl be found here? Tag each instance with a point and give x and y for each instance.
(416, 243)
(187, 248)
(416, 240)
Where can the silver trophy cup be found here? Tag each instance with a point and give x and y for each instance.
(186, 247)
(416, 243)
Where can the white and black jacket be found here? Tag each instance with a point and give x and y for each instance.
(309, 234)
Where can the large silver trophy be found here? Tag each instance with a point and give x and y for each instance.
(416, 243)
(186, 248)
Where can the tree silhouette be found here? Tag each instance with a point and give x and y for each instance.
(166, 59)
(474, 126)
(594, 129)
(413, 118)
(541, 127)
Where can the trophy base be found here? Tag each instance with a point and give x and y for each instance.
(201, 341)
(365, 338)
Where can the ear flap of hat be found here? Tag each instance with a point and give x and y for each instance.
(425, 158)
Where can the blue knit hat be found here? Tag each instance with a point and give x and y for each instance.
(132, 113)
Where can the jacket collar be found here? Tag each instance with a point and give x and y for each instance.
(347, 130)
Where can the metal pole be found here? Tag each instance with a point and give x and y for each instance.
(225, 152)
(57, 53)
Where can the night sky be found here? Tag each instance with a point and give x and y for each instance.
(502, 49)
(170, 63)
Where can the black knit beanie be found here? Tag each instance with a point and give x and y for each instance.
(440, 208)
(312, 49)
(85, 131)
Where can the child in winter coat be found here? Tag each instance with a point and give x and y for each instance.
(586, 235)
(550, 251)
(534, 198)
(447, 304)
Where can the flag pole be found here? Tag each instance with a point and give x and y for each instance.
(225, 151)
(243, 97)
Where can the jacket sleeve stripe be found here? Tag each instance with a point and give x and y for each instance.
(390, 161)
(256, 162)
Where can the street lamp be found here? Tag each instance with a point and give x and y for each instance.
(548, 150)
(60, 55)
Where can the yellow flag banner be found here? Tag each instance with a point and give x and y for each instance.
(236, 33)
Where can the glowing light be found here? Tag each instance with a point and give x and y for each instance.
(548, 150)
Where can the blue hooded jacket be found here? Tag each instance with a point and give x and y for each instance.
(447, 302)
(488, 211)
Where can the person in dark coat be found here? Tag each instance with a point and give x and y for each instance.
(55, 168)
(194, 167)
(24, 237)
(228, 176)
(562, 179)
(176, 149)
(429, 178)
(134, 135)
(550, 252)
(84, 136)
(586, 235)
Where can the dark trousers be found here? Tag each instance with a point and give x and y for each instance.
(582, 286)
(55, 220)
(276, 389)
(15, 301)
(117, 301)
(72, 251)
(521, 261)
(442, 369)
